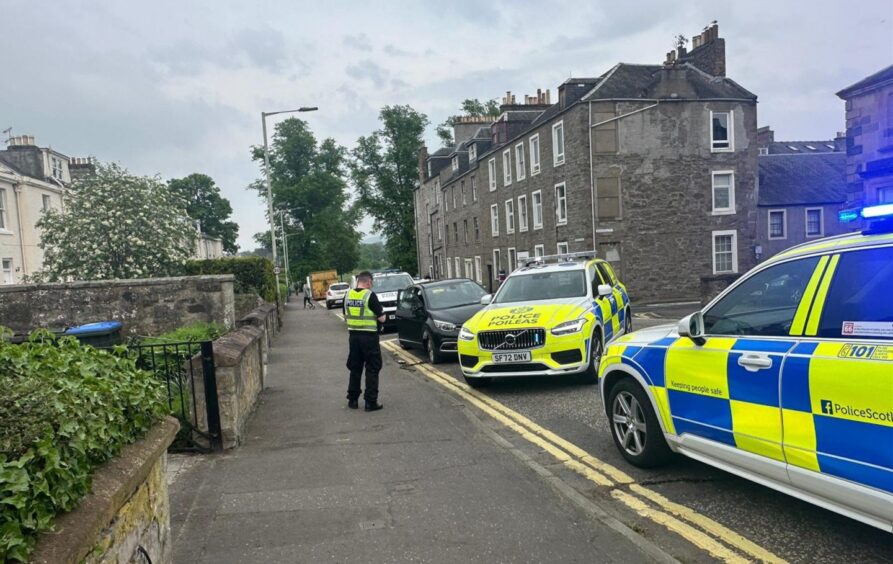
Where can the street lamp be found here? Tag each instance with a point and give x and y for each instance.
(285, 236)
(263, 120)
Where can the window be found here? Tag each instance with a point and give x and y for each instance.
(455, 163)
(491, 169)
(437, 192)
(561, 248)
(494, 220)
(513, 259)
(439, 230)
(449, 268)
(472, 153)
(725, 252)
(456, 232)
(522, 213)
(537, 209)
(558, 144)
(763, 151)
(858, 303)
(814, 224)
(778, 224)
(478, 275)
(723, 192)
(885, 195)
(56, 165)
(477, 229)
(46, 202)
(474, 189)
(561, 204)
(468, 267)
(610, 251)
(496, 265)
(3, 209)
(458, 271)
(428, 214)
(429, 169)
(453, 193)
(465, 229)
(763, 305)
(464, 200)
(608, 197)
(446, 201)
(721, 131)
(534, 155)
(509, 216)
(539, 251)
(7, 271)
(439, 266)
(520, 164)
(506, 167)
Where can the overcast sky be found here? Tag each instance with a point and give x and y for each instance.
(172, 88)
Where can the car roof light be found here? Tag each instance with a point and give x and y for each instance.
(883, 210)
(880, 217)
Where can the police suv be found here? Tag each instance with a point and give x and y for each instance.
(786, 378)
(552, 316)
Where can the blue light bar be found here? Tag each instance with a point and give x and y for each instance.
(846, 216)
(868, 212)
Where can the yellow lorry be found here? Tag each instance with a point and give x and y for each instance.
(318, 282)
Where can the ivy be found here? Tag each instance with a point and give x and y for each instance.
(65, 409)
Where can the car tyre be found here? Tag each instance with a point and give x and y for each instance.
(628, 322)
(634, 426)
(596, 351)
(328, 304)
(478, 382)
(434, 356)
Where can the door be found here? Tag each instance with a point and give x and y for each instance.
(404, 315)
(606, 304)
(723, 392)
(615, 300)
(837, 392)
(419, 314)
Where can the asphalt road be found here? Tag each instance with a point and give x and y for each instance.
(792, 529)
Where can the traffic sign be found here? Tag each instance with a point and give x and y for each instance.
(276, 270)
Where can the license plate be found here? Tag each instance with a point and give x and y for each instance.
(522, 356)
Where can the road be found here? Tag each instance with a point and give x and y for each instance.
(786, 527)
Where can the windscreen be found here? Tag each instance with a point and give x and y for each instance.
(454, 295)
(391, 283)
(339, 287)
(543, 286)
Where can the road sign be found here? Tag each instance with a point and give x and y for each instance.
(276, 270)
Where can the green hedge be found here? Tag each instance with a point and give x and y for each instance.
(64, 410)
(254, 275)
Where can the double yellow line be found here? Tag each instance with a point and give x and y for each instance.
(708, 535)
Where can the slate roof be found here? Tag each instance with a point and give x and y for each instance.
(802, 179)
(801, 147)
(876, 79)
(627, 81)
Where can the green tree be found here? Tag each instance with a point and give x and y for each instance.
(205, 205)
(116, 225)
(385, 171)
(373, 256)
(470, 107)
(309, 184)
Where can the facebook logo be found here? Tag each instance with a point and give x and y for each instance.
(827, 407)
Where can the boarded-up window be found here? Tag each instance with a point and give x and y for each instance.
(608, 203)
(604, 138)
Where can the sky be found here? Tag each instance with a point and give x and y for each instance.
(172, 87)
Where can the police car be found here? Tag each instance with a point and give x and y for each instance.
(552, 316)
(786, 378)
(387, 286)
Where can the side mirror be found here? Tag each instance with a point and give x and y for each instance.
(604, 290)
(692, 326)
(485, 300)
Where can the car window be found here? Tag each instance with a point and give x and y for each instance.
(339, 287)
(543, 286)
(610, 270)
(454, 295)
(606, 275)
(597, 279)
(405, 301)
(391, 283)
(858, 303)
(764, 304)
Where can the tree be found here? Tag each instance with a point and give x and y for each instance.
(373, 256)
(205, 205)
(309, 185)
(384, 168)
(470, 107)
(116, 225)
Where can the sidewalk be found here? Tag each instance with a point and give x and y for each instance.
(417, 481)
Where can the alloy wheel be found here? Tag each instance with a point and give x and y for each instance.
(629, 423)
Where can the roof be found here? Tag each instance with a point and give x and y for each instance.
(801, 147)
(802, 179)
(871, 82)
(685, 81)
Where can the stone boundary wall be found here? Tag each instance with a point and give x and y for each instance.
(240, 360)
(712, 286)
(148, 306)
(125, 517)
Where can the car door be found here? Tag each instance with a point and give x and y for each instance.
(606, 311)
(420, 314)
(723, 391)
(404, 316)
(837, 385)
(617, 300)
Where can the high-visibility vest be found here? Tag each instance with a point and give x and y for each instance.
(357, 313)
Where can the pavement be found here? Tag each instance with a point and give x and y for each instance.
(426, 479)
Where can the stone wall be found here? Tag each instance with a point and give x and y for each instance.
(145, 307)
(240, 360)
(126, 516)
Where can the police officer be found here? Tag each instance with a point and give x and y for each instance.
(363, 313)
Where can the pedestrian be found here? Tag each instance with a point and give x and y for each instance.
(363, 312)
(308, 300)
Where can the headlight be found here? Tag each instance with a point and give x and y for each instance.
(465, 334)
(445, 326)
(569, 327)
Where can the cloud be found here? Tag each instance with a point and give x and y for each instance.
(262, 48)
(368, 70)
(359, 42)
(395, 51)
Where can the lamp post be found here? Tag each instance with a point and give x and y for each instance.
(263, 120)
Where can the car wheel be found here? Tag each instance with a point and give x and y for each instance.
(434, 355)
(627, 322)
(596, 350)
(634, 426)
(477, 382)
(328, 305)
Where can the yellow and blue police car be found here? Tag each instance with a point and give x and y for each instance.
(552, 316)
(786, 378)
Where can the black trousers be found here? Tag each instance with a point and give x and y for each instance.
(364, 352)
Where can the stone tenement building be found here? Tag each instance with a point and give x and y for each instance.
(653, 166)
